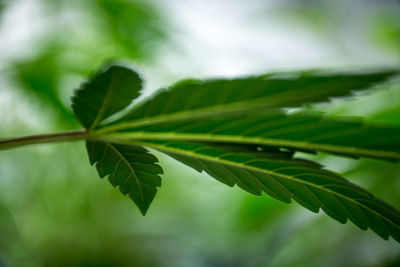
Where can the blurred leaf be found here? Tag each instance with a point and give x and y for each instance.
(9, 235)
(319, 15)
(258, 213)
(389, 116)
(2, 7)
(384, 26)
(8, 229)
(135, 25)
(41, 76)
(129, 29)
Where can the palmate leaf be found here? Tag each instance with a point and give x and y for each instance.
(284, 179)
(132, 168)
(108, 92)
(304, 132)
(193, 99)
(236, 131)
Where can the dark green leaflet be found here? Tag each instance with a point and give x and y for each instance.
(349, 137)
(236, 131)
(108, 92)
(132, 168)
(284, 179)
(193, 99)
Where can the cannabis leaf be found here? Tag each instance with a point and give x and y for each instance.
(239, 132)
(108, 92)
(302, 132)
(132, 168)
(194, 99)
(307, 183)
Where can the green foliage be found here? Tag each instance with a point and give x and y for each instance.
(130, 24)
(191, 99)
(40, 76)
(106, 93)
(302, 132)
(131, 168)
(71, 48)
(284, 178)
(239, 132)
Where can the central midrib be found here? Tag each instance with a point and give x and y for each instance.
(254, 140)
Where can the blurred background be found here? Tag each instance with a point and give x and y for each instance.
(55, 211)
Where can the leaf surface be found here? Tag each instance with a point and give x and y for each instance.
(193, 99)
(108, 92)
(302, 132)
(132, 168)
(285, 179)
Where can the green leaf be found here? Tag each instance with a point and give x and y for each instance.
(303, 132)
(284, 179)
(237, 131)
(194, 99)
(132, 168)
(108, 92)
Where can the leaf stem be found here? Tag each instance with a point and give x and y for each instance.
(43, 138)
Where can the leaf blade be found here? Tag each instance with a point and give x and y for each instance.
(342, 136)
(201, 99)
(106, 93)
(339, 198)
(115, 161)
